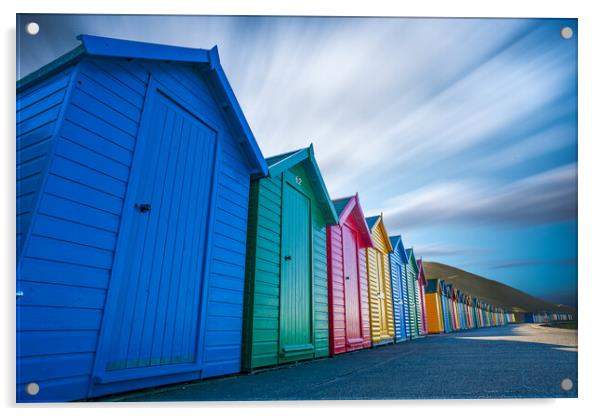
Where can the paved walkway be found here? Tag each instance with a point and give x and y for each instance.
(524, 360)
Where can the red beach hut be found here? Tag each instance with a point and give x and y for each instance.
(348, 304)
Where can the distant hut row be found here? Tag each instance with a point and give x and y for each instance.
(450, 309)
(547, 316)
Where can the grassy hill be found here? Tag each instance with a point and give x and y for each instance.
(493, 292)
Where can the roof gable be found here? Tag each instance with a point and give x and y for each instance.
(371, 221)
(397, 244)
(433, 286)
(305, 157)
(209, 63)
(421, 274)
(448, 289)
(350, 208)
(341, 203)
(412, 259)
(376, 224)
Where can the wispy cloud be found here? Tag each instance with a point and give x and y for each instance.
(520, 263)
(445, 250)
(550, 196)
(510, 264)
(556, 137)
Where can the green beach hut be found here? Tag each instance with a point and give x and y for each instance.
(286, 289)
(413, 294)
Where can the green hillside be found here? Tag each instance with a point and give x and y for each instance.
(493, 292)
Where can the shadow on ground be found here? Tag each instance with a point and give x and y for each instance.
(518, 361)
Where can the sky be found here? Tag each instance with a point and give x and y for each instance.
(462, 132)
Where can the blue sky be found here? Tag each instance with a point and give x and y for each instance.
(463, 132)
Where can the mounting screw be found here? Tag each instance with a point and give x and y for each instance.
(32, 28)
(32, 389)
(566, 32)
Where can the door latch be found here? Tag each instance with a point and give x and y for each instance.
(143, 207)
(287, 257)
(346, 277)
(20, 293)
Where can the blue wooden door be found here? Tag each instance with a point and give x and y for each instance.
(401, 304)
(159, 265)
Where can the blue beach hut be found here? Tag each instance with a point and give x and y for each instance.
(133, 168)
(413, 294)
(445, 306)
(397, 261)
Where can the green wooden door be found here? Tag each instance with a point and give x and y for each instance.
(295, 286)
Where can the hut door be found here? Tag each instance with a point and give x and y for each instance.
(401, 301)
(380, 268)
(295, 285)
(155, 305)
(352, 307)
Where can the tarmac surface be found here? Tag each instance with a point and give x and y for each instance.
(515, 361)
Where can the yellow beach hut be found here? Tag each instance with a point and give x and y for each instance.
(379, 283)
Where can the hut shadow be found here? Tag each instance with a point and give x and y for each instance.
(464, 367)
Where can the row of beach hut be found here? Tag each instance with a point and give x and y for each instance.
(548, 316)
(449, 309)
(156, 245)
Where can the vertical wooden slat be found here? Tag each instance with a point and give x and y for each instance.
(295, 292)
(160, 311)
(351, 283)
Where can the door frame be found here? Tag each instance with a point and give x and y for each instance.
(99, 373)
(401, 302)
(382, 275)
(288, 178)
(357, 268)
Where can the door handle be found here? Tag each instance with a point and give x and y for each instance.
(346, 277)
(143, 207)
(287, 257)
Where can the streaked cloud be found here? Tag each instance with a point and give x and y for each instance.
(540, 143)
(550, 196)
(443, 124)
(447, 250)
(520, 263)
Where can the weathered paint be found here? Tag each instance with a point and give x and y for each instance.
(98, 315)
(397, 262)
(349, 307)
(382, 323)
(286, 292)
